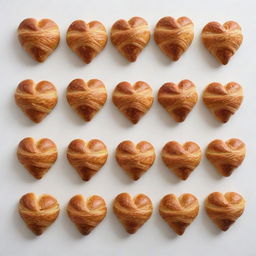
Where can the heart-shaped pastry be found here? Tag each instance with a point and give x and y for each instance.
(223, 101)
(178, 100)
(36, 100)
(226, 156)
(87, 40)
(39, 38)
(130, 37)
(132, 212)
(174, 36)
(38, 212)
(222, 41)
(87, 157)
(181, 159)
(133, 100)
(135, 159)
(225, 209)
(37, 156)
(86, 98)
(86, 213)
(180, 212)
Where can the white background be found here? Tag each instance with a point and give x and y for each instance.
(63, 125)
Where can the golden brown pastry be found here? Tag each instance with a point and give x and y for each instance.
(86, 98)
(226, 156)
(36, 100)
(225, 209)
(181, 159)
(132, 212)
(39, 38)
(135, 159)
(223, 101)
(133, 100)
(87, 157)
(86, 213)
(222, 41)
(178, 100)
(174, 36)
(87, 40)
(180, 212)
(38, 212)
(130, 37)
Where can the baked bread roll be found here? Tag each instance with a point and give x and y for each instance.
(86, 213)
(174, 36)
(86, 98)
(130, 37)
(135, 159)
(132, 212)
(180, 212)
(39, 38)
(87, 157)
(181, 159)
(226, 156)
(87, 40)
(178, 100)
(38, 212)
(133, 100)
(225, 209)
(36, 100)
(223, 101)
(222, 41)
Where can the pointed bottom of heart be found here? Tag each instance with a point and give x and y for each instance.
(180, 114)
(37, 172)
(85, 229)
(223, 115)
(86, 173)
(132, 226)
(182, 173)
(135, 173)
(224, 55)
(224, 224)
(178, 227)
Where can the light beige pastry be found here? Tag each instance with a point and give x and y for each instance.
(86, 213)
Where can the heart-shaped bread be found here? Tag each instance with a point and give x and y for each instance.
(223, 101)
(226, 156)
(132, 212)
(174, 36)
(222, 41)
(130, 37)
(181, 159)
(178, 100)
(133, 100)
(87, 157)
(37, 156)
(87, 40)
(86, 98)
(39, 38)
(135, 159)
(86, 213)
(225, 209)
(38, 212)
(36, 100)
(180, 212)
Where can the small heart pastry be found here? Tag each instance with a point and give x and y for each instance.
(135, 159)
(87, 40)
(226, 156)
(130, 37)
(178, 100)
(180, 212)
(88, 213)
(37, 156)
(225, 209)
(39, 38)
(132, 212)
(223, 101)
(36, 100)
(133, 100)
(87, 157)
(174, 36)
(222, 41)
(86, 98)
(38, 212)
(181, 159)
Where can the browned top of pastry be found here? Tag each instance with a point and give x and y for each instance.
(80, 146)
